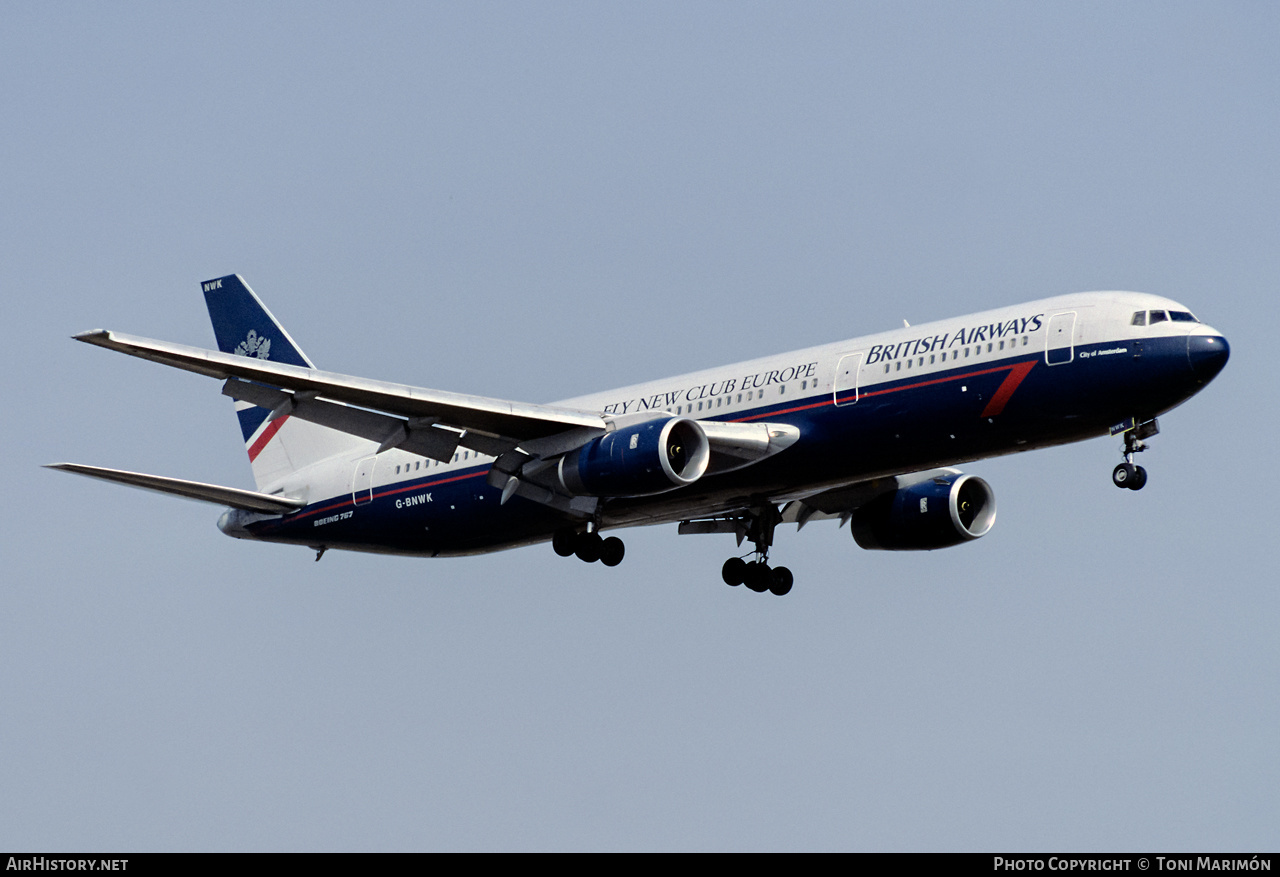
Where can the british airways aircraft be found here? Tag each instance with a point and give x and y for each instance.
(866, 431)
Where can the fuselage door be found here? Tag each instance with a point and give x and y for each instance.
(362, 481)
(845, 388)
(1059, 347)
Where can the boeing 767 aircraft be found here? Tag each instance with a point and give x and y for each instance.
(865, 431)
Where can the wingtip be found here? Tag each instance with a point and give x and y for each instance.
(92, 335)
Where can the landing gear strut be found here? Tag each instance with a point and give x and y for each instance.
(757, 574)
(589, 546)
(1128, 475)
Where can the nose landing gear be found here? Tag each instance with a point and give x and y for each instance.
(1128, 475)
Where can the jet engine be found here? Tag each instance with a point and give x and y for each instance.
(637, 460)
(939, 512)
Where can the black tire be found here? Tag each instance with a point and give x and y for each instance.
(1139, 479)
(734, 571)
(1122, 475)
(758, 577)
(782, 582)
(612, 551)
(564, 542)
(587, 547)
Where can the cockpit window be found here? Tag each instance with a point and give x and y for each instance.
(1158, 317)
(1183, 317)
(1140, 318)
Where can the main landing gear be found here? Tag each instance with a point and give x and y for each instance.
(589, 546)
(1127, 475)
(757, 574)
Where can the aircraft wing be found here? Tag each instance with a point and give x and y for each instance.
(841, 502)
(506, 422)
(249, 500)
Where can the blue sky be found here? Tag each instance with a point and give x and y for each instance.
(539, 201)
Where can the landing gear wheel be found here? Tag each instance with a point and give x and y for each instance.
(782, 581)
(611, 551)
(1139, 479)
(1124, 475)
(734, 571)
(587, 546)
(758, 577)
(564, 542)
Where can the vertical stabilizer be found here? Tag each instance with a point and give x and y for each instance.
(244, 326)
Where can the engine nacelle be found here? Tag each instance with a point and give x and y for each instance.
(638, 460)
(937, 513)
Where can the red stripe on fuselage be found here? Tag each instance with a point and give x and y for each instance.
(348, 501)
(1018, 371)
(1006, 388)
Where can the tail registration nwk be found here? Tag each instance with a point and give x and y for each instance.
(277, 446)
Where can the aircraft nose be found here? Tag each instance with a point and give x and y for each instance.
(1207, 355)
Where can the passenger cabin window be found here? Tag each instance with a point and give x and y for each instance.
(1139, 318)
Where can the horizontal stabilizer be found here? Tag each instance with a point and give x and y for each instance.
(248, 500)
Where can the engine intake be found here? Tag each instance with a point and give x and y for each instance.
(937, 513)
(638, 460)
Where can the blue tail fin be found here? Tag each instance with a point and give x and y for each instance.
(244, 326)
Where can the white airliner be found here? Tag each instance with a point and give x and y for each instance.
(864, 431)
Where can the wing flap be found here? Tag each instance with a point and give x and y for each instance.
(249, 500)
(389, 432)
